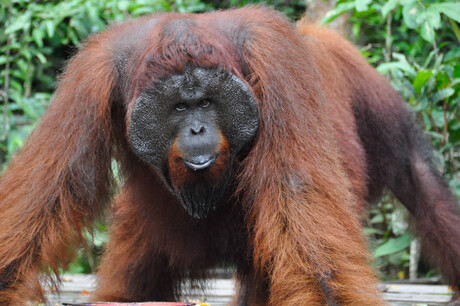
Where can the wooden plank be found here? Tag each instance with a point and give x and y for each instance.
(416, 298)
(76, 289)
(406, 288)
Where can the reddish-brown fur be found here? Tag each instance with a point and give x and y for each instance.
(290, 225)
(180, 174)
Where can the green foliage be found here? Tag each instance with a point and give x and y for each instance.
(423, 16)
(416, 44)
(393, 245)
(433, 89)
(294, 9)
(88, 258)
(37, 37)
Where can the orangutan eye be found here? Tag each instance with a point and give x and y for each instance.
(205, 103)
(181, 107)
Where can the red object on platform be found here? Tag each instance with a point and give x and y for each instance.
(134, 304)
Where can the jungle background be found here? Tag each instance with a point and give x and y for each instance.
(415, 43)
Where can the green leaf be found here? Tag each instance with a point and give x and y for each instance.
(443, 94)
(410, 14)
(123, 5)
(75, 268)
(407, 2)
(16, 85)
(372, 231)
(433, 17)
(402, 65)
(362, 5)
(37, 35)
(20, 23)
(41, 57)
(15, 141)
(27, 53)
(23, 65)
(142, 11)
(50, 27)
(450, 9)
(438, 61)
(100, 238)
(421, 79)
(356, 29)
(427, 32)
(393, 245)
(456, 28)
(79, 27)
(429, 58)
(438, 117)
(337, 11)
(457, 71)
(378, 218)
(74, 37)
(453, 54)
(388, 7)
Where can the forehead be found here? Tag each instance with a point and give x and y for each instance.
(180, 29)
(177, 43)
(194, 83)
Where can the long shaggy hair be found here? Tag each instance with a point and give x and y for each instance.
(332, 133)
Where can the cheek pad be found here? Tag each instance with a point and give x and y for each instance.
(147, 131)
(238, 112)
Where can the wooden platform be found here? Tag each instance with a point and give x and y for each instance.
(77, 288)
